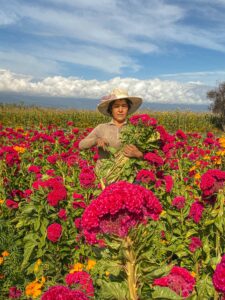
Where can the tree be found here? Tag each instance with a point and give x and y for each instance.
(217, 96)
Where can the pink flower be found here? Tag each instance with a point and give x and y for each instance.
(145, 176)
(153, 159)
(196, 211)
(195, 244)
(54, 232)
(87, 177)
(119, 207)
(179, 280)
(178, 202)
(211, 182)
(62, 214)
(34, 169)
(63, 293)
(143, 119)
(14, 292)
(169, 183)
(82, 281)
(11, 204)
(219, 276)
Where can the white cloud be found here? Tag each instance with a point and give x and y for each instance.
(155, 90)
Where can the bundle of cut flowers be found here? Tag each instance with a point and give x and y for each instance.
(141, 131)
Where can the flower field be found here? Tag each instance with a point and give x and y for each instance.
(157, 232)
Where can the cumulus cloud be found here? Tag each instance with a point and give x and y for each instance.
(154, 90)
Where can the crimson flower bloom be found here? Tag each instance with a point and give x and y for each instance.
(11, 204)
(219, 276)
(178, 202)
(179, 280)
(82, 281)
(54, 232)
(195, 244)
(60, 292)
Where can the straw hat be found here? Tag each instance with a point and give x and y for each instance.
(118, 94)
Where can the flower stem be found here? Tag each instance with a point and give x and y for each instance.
(130, 268)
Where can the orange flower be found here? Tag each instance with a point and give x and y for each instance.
(2, 201)
(1, 260)
(90, 265)
(77, 268)
(19, 149)
(33, 289)
(5, 253)
(222, 142)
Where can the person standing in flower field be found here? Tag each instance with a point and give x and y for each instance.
(118, 105)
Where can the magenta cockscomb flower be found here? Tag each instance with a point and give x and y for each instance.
(54, 232)
(14, 292)
(60, 292)
(143, 119)
(195, 244)
(211, 182)
(179, 202)
(179, 280)
(219, 276)
(11, 204)
(62, 214)
(81, 281)
(145, 176)
(87, 177)
(119, 207)
(153, 159)
(196, 211)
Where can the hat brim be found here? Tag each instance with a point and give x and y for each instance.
(136, 103)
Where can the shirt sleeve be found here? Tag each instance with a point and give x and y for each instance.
(90, 140)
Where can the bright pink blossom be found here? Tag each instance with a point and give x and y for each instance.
(11, 204)
(179, 280)
(196, 211)
(63, 293)
(54, 232)
(195, 244)
(14, 292)
(219, 276)
(82, 281)
(179, 202)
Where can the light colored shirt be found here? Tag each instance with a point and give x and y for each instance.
(108, 131)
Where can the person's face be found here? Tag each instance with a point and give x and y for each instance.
(120, 110)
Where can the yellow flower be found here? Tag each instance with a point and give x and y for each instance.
(90, 265)
(5, 253)
(222, 142)
(77, 268)
(1, 260)
(192, 168)
(33, 289)
(193, 274)
(36, 265)
(197, 176)
(1, 201)
(163, 213)
(107, 273)
(220, 153)
(206, 157)
(19, 149)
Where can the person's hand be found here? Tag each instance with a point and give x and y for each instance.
(132, 151)
(102, 143)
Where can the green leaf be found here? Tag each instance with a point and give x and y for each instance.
(28, 249)
(114, 290)
(165, 293)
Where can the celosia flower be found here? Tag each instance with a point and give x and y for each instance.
(169, 183)
(14, 292)
(178, 202)
(179, 280)
(119, 207)
(142, 119)
(87, 177)
(195, 244)
(181, 135)
(196, 211)
(211, 182)
(219, 276)
(145, 176)
(82, 281)
(34, 169)
(62, 214)
(54, 232)
(153, 159)
(63, 293)
(11, 204)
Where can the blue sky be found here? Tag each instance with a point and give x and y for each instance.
(162, 50)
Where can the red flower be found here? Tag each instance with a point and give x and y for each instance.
(145, 176)
(143, 119)
(196, 211)
(11, 204)
(153, 159)
(63, 293)
(178, 202)
(195, 244)
(81, 280)
(211, 182)
(87, 177)
(54, 232)
(62, 214)
(14, 292)
(219, 276)
(119, 207)
(179, 280)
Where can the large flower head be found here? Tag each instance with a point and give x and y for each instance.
(119, 207)
(219, 276)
